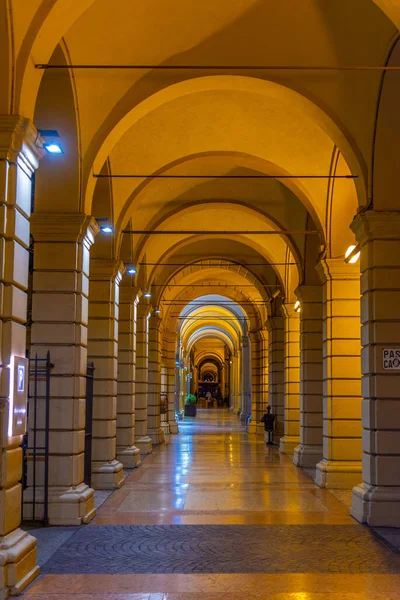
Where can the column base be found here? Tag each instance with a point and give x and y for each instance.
(165, 430)
(377, 506)
(144, 444)
(337, 474)
(252, 428)
(173, 427)
(288, 443)
(307, 456)
(129, 457)
(260, 429)
(107, 476)
(18, 566)
(71, 506)
(156, 436)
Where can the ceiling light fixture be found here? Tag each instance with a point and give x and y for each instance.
(352, 254)
(131, 270)
(147, 294)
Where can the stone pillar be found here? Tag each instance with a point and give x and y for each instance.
(19, 156)
(245, 407)
(377, 500)
(154, 430)
(60, 318)
(341, 463)
(309, 451)
(169, 359)
(256, 377)
(234, 379)
(291, 439)
(105, 277)
(127, 453)
(276, 358)
(263, 378)
(143, 441)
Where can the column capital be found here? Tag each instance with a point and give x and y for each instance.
(155, 321)
(372, 225)
(330, 269)
(309, 293)
(106, 270)
(289, 311)
(274, 307)
(66, 227)
(20, 142)
(245, 341)
(128, 293)
(254, 336)
(143, 310)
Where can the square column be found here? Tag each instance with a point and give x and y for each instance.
(263, 378)
(59, 326)
(256, 379)
(309, 451)
(154, 430)
(291, 439)
(169, 360)
(276, 364)
(377, 500)
(19, 156)
(127, 453)
(142, 441)
(245, 406)
(105, 277)
(341, 463)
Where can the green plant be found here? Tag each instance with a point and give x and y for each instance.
(190, 399)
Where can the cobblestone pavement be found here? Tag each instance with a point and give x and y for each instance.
(224, 549)
(216, 515)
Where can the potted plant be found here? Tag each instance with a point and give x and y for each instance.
(190, 405)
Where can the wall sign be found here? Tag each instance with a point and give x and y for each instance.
(391, 359)
(17, 396)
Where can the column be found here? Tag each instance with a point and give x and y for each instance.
(291, 439)
(276, 361)
(234, 377)
(19, 157)
(256, 376)
(154, 430)
(127, 453)
(341, 463)
(377, 500)
(309, 451)
(59, 325)
(169, 359)
(263, 378)
(245, 407)
(105, 277)
(143, 441)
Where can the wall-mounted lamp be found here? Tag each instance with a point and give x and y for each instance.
(147, 294)
(53, 148)
(297, 306)
(50, 145)
(105, 226)
(157, 311)
(352, 254)
(131, 270)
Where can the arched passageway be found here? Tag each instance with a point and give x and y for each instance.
(197, 200)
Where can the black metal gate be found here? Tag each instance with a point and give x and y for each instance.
(89, 424)
(35, 446)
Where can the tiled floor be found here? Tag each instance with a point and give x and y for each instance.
(218, 515)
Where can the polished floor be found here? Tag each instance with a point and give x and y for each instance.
(217, 514)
